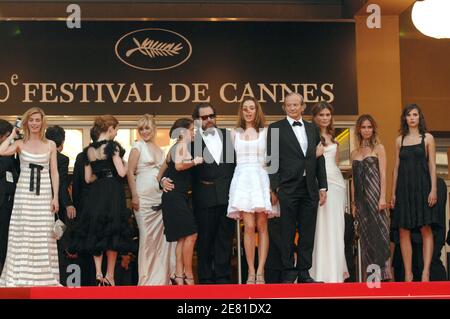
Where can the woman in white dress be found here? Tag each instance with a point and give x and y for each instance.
(156, 258)
(329, 264)
(249, 196)
(32, 256)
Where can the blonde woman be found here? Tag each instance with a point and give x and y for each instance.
(156, 255)
(32, 256)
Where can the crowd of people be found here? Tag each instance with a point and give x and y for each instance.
(282, 180)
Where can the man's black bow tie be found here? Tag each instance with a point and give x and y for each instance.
(209, 132)
(297, 123)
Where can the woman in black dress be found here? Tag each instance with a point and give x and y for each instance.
(414, 193)
(178, 218)
(104, 223)
(369, 206)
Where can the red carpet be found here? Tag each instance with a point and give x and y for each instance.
(318, 291)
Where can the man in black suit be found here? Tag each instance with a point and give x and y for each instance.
(66, 209)
(80, 191)
(296, 176)
(210, 189)
(9, 174)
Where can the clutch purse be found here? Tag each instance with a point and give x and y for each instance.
(58, 228)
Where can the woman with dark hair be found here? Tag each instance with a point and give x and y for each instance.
(178, 218)
(9, 174)
(329, 264)
(414, 194)
(369, 206)
(103, 225)
(250, 197)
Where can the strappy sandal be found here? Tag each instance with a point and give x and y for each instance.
(177, 280)
(251, 279)
(260, 279)
(108, 282)
(189, 281)
(99, 280)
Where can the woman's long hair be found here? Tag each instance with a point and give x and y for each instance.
(26, 117)
(260, 121)
(404, 128)
(374, 138)
(319, 107)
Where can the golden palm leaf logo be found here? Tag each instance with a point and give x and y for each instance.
(152, 48)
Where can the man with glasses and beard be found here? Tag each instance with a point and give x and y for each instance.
(211, 185)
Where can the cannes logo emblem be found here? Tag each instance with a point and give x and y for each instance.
(153, 49)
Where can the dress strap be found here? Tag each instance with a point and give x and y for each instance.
(403, 137)
(424, 146)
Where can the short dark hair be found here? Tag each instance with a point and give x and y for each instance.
(196, 113)
(56, 134)
(5, 127)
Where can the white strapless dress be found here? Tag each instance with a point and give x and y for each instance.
(250, 186)
(329, 264)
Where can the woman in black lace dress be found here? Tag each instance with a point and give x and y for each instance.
(104, 223)
(414, 193)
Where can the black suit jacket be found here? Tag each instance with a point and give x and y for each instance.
(8, 164)
(64, 196)
(80, 188)
(291, 160)
(220, 175)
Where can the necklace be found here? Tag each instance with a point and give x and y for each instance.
(365, 144)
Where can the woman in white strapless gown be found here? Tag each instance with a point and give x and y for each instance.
(329, 264)
(156, 258)
(249, 196)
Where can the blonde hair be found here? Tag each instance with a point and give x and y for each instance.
(26, 117)
(147, 120)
